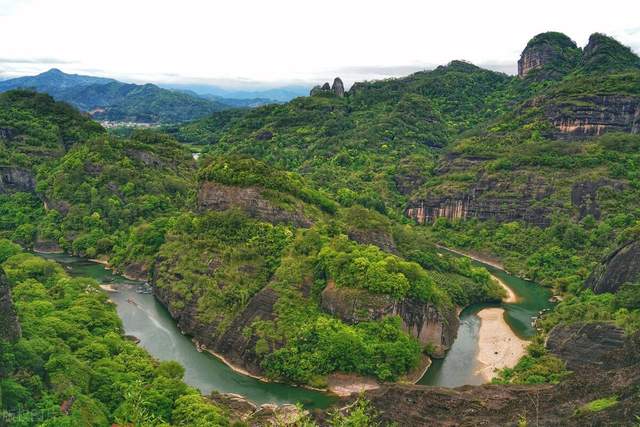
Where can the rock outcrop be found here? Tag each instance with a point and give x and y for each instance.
(549, 54)
(589, 116)
(380, 238)
(488, 198)
(267, 414)
(238, 348)
(619, 267)
(584, 196)
(9, 325)
(136, 271)
(509, 405)
(337, 88)
(229, 341)
(47, 247)
(16, 179)
(424, 321)
(7, 133)
(219, 197)
(586, 345)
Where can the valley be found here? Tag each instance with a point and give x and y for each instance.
(305, 245)
(145, 319)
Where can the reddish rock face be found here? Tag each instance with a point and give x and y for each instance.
(594, 115)
(486, 199)
(555, 52)
(533, 59)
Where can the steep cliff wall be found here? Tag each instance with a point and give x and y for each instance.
(619, 267)
(548, 55)
(9, 324)
(424, 321)
(16, 179)
(225, 339)
(588, 116)
(486, 199)
(219, 197)
(586, 345)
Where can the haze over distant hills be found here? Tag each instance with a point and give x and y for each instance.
(280, 94)
(111, 100)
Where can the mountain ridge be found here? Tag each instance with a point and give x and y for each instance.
(111, 100)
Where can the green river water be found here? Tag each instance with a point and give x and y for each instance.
(460, 365)
(145, 318)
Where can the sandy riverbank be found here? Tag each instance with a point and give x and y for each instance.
(511, 297)
(498, 346)
(103, 262)
(242, 371)
(108, 287)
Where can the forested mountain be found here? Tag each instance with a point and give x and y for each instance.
(380, 137)
(52, 81)
(301, 245)
(237, 250)
(111, 100)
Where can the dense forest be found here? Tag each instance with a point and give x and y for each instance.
(302, 243)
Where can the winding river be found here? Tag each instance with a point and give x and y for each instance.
(148, 320)
(459, 367)
(145, 318)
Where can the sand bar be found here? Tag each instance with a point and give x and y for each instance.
(498, 346)
(108, 288)
(511, 297)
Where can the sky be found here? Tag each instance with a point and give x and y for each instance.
(258, 43)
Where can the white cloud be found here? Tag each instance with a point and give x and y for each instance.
(290, 40)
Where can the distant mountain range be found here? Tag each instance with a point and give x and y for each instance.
(280, 94)
(111, 100)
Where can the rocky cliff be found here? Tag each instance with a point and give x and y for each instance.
(543, 405)
(487, 198)
(587, 116)
(337, 88)
(219, 197)
(548, 54)
(584, 345)
(16, 179)
(426, 322)
(234, 344)
(552, 55)
(619, 267)
(9, 324)
(226, 340)
(584, 196)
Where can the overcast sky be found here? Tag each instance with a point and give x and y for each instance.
(245, 42)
